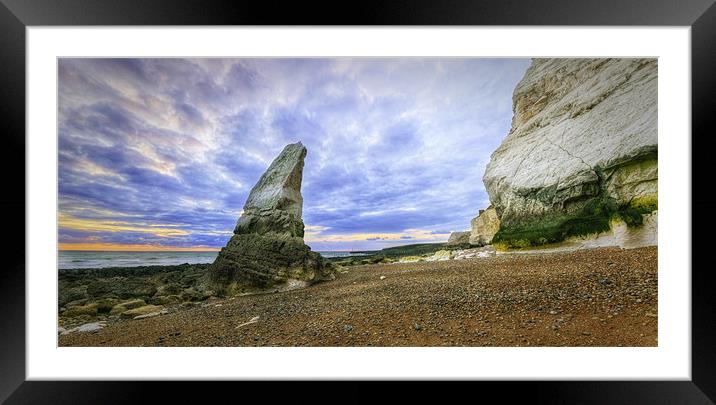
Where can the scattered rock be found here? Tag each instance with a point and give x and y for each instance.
(151, 314)
(72, 295)
(347, 328)
(164, 300)
(382, 277)
(144, 310)
(128, 287)
(169, 289)
(118, 310)
(88, 327)
(252, 320)
(440, 297)
(440, 255)
(191, 294)
(133, 304)
(292, 284)
(481, 252)
(77, 303)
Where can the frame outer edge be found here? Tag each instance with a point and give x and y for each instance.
(703, 302)
(379, 12)
(12, 202)
(12, 283)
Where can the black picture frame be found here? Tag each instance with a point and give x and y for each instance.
(16, 15)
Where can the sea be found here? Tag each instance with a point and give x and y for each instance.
(80, 259)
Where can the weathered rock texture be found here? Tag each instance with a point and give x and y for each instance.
(583, 130)
(267, 247)
(459, 238)
(484, 226)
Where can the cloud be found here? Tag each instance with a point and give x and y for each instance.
(68, 222)
(164, 152)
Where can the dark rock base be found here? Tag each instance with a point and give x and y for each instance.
(263, 261)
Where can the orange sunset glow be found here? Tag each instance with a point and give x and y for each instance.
(133, 247)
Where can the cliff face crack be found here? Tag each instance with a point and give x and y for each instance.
(601, 183)
(527, 155)
(597, 172)
(568, 152)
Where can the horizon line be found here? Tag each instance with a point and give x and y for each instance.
(139, 248)
(193, 250)
(133, 247)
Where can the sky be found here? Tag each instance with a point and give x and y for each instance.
(160, 154)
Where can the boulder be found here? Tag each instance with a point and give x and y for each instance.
(133, 304)
(118, 310)
(582, 146)
(105, 305)
(459, 238)
(89, 309)
(267, 247)
(123, 307)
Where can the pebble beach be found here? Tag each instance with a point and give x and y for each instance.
(590, 297)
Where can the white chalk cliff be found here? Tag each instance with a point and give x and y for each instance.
(582, 129)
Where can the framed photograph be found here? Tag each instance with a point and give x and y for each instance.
(460, 195)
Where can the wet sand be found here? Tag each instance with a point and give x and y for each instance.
(594, 297)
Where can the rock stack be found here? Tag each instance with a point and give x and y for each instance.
(267, 248)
